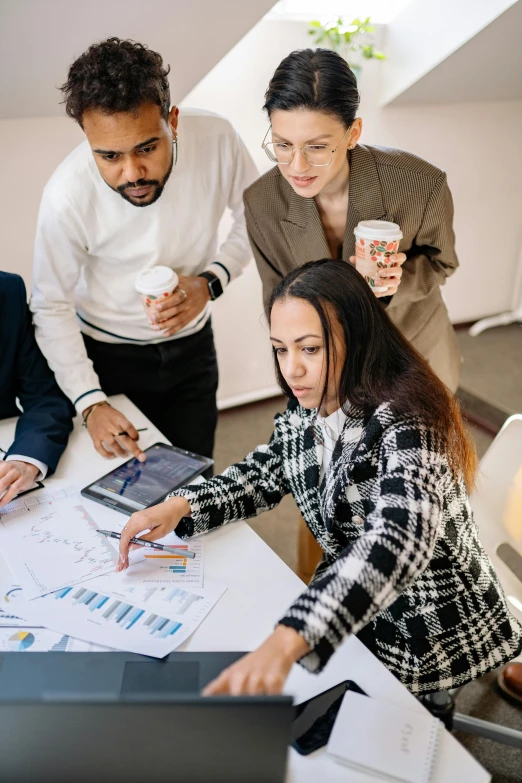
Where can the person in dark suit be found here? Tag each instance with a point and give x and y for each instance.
(44, 426)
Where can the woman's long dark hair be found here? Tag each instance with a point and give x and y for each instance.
(381, 365)
(317, 79)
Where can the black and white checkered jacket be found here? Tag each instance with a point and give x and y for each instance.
(403, 566)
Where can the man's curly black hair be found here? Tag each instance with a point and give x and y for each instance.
(116, 76)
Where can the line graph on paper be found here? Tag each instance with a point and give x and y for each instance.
(43, 533)
(54, 544)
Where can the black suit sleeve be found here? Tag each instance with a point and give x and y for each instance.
(44, 426)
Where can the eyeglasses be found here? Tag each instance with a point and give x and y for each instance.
(314, 154)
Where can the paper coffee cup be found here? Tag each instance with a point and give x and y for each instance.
(375, 242)
(155, 283)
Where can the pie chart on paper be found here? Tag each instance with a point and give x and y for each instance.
(12, 594)
(20, 641)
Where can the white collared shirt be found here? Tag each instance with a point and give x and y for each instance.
(331, 427)
(91, 244)
(42, 467)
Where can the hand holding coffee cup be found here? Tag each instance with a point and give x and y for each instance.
(153, 285)
(376, 245)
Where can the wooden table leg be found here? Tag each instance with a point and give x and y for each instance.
(309, 552)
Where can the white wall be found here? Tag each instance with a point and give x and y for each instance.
(32, 150)
(478, 145)
(450, 25)
(40, 38)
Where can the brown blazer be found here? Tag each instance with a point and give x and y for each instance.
(285, 231)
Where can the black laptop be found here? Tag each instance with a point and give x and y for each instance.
(110, 717)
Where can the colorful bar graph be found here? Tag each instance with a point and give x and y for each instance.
(124, 612)
(63, 593)
(126, 615)
(60, 646)
(161, 626)
(180, 562)
(135, 616)
(112, 608)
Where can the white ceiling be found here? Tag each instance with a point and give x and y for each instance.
(488, 67)
(39, 39)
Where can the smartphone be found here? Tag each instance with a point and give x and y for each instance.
(314, 719)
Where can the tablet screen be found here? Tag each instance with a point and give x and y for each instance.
(138, 485)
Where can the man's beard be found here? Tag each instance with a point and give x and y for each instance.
(141, 183)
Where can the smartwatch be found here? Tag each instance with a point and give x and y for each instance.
(215, 288)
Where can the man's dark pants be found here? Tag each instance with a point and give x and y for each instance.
(173, 383)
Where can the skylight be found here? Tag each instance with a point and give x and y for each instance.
(380, 11)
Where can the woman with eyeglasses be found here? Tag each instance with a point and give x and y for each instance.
(325, 182)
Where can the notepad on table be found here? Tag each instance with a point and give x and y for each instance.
(389, 741)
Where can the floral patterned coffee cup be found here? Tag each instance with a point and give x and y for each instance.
(156, 282)
(376, 241)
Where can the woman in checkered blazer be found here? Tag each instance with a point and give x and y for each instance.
(373, 450)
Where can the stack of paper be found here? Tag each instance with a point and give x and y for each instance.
(62, 582)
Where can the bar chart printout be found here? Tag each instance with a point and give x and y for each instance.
(188, 606)
(54, 544)
(92, 614)
(180, 601)
(119, 613)
(150, 566)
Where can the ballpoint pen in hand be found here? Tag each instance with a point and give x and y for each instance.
(140, 542)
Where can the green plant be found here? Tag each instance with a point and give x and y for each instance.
(352, 41)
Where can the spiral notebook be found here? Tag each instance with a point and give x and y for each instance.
(388, 741)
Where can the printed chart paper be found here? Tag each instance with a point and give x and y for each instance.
(51, 542)
(40, 498)
(39, 639)
(153, 567)
(32, 640)
(190, 605)
(155, 626)
(8, 615)
(77, 645)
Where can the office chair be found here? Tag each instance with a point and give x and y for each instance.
(497, 508)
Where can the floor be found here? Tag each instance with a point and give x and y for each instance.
(491, 385)
(492, 366)
(239, 431)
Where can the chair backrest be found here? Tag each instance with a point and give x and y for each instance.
(497, 507)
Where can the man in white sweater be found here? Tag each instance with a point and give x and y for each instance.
(148, 186)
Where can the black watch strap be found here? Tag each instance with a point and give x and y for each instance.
(214, 284)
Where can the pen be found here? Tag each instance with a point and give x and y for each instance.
(142, 429)
(140, 542)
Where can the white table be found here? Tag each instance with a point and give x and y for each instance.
(260, 588)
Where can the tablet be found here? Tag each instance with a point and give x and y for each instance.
(137, 485)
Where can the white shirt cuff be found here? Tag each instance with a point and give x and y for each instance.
(42, 467)
(88, 399)
(220, 271)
